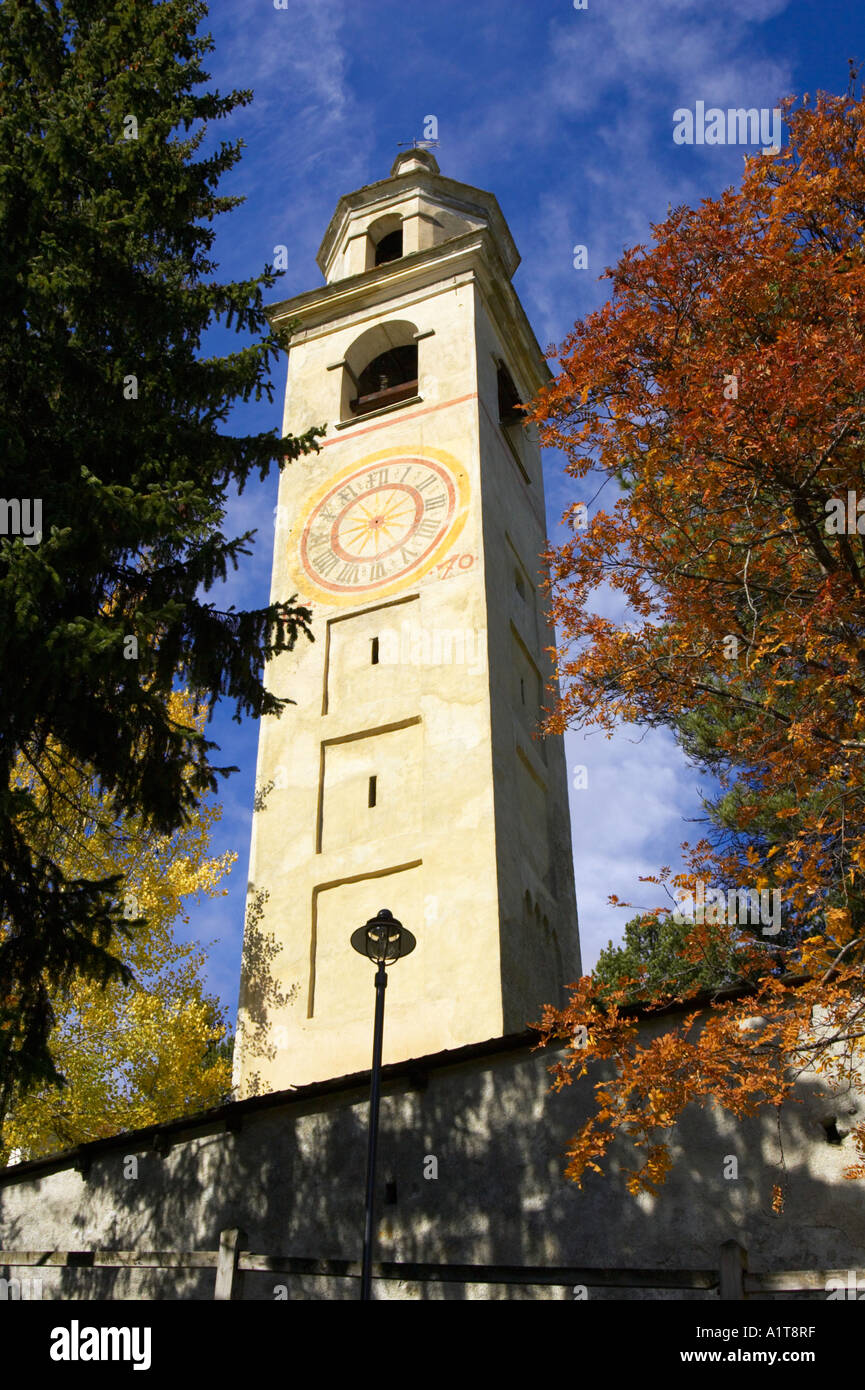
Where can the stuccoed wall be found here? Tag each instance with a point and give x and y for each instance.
(292, 1175)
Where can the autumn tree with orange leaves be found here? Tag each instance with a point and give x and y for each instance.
(716, 404)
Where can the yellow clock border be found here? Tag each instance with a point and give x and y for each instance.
(460, 476)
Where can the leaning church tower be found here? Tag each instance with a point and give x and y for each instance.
(406, 775)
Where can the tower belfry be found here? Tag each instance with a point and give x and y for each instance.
(406, 774)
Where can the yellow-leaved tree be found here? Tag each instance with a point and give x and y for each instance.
(156, 1046)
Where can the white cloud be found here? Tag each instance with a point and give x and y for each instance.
(634, 808)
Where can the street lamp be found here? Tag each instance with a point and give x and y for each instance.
(383, 940)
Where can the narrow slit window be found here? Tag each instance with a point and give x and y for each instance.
(522, 690)
(510, 408)
(372, 791)
(375, 651)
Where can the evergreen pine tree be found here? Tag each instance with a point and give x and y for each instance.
(112, 420)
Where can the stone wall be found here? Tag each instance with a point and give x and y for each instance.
(289, 1169)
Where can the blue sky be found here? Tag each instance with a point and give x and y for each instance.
(567, 116)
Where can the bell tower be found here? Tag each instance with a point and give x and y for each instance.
(407, 775)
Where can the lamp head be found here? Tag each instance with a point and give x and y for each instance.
(383, 939)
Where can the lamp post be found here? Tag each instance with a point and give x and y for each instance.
(383, 940)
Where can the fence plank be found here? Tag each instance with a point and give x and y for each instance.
(733, 1263)
(564, 1275)
(799, 1280)
(111, 1259)
(227, 1277)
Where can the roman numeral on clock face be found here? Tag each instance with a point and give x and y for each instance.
(324, 561)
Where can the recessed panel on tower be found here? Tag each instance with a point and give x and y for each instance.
(371, 788)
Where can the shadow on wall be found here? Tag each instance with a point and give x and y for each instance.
(261, 995)
(470, 1171)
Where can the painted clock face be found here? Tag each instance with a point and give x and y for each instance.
(381, 524)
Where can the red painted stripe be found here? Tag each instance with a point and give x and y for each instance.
(414, 415)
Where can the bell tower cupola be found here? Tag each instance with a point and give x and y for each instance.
(412, 210)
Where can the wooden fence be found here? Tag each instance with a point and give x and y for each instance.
(731, 1278)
